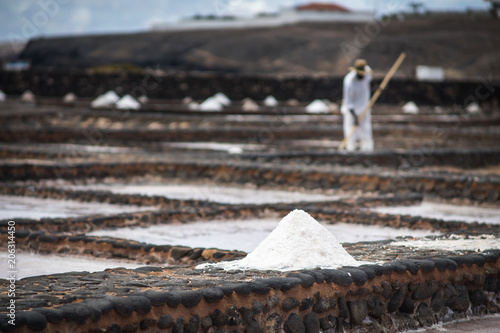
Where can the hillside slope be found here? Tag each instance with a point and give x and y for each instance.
(465, 46)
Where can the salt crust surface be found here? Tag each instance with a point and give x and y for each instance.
(298, 242)
(454, 243)
(30, 264)
(445, 212)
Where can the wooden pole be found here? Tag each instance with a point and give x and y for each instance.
(374, 98)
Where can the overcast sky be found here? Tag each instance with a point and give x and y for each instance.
(25, 19)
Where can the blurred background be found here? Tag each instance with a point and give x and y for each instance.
(294, 37)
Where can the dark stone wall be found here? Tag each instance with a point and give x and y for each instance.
(202, 85)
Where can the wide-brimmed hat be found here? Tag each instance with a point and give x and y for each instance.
(359, 66)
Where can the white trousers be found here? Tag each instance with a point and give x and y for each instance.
(363, 132)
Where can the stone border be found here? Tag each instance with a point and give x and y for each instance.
(443, 185)
(403, 294)
(112, 248)
(70, 135)
(467, 159)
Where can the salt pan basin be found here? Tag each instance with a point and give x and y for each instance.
(220, 194)
(446, 212)
(12, 207)
(245, 235)
(29, 264)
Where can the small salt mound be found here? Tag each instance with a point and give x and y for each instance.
(270, 101)
(317, 106)
(28, 96)
(235, 150)
(473, 108)
(332, 107)
(298, 242)
(223, 99)
(127, 102)
(193, 106)
(249, 105)
(3, 96)
(187, 100)
(105, 100)
(69, 98)
(211, 104)
(143, 99)
(410, 107)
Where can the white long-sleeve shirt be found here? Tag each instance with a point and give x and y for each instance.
(356, 92)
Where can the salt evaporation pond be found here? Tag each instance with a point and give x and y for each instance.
(453, 243)
(30, 264)
(446, 212)
(12, 207)
(220, 194)
(245, 235)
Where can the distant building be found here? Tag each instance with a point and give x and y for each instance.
(428, 73)
(328, 12)
(311, 12)
(16, 66)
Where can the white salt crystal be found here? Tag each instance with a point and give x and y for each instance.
(317, 106)
(410, 107)
(473, 108)
(28, 96)
(193, 106)
(69, 98)
(211, 104)
(143, 99)
(249, 105)
(127, 102)
(223, 99)
(332, 107)
(298, 242)
(270, 101)
(187, 100)
(105, 100)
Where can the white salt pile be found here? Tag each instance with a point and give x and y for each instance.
(105, 100)
(473, 108)
(332, 107)
(186, 100)
(127, 102)
(298, 242)
(211, 104)
(223, 99)
(28, 96)
(69, 98)
(143, 99)
(3, 96)
(410, 107)
(190, 103)
(317, 106)
(249, 105)
(270, 101)
(193, 106)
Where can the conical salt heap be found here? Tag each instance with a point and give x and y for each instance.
(127, 102)
(298, 242)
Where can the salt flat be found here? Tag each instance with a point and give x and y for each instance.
(12, 207)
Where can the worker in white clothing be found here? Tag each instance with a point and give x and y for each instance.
(356, 97)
